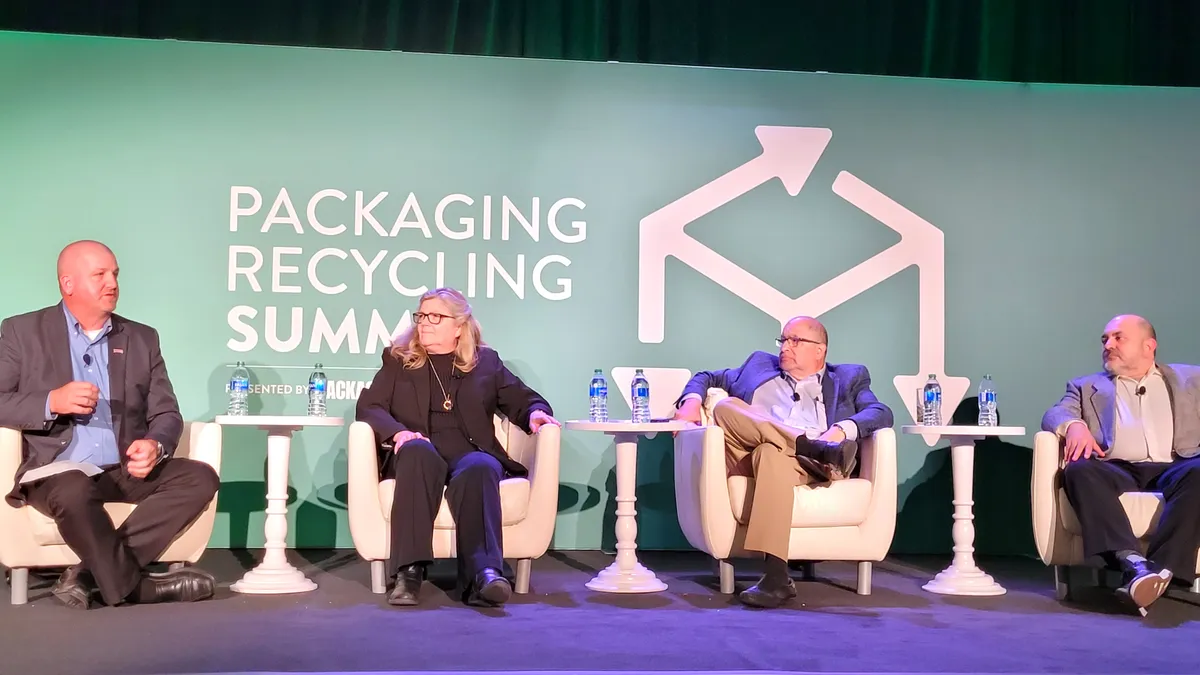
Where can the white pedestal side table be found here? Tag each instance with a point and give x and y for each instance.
(275, 574)
(626, 574)
(963, 576)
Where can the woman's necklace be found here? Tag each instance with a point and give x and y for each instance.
(447, 405)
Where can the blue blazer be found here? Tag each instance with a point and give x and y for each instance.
(846, 390)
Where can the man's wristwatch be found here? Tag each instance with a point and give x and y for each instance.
(162, 452)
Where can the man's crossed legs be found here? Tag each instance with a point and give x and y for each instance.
(779, 458)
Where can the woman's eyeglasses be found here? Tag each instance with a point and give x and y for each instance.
(432, 318)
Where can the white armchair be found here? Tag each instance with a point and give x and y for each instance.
(852, 519)
(30, 539)
(1055, 526)
(529, 506)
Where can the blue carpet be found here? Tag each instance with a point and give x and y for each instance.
(562, 627)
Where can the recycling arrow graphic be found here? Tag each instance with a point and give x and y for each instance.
(789, 154)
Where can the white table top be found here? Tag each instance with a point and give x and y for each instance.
(963, 430)
(292, 421)
(627, 426)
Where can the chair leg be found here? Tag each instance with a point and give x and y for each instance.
(725, 574)
(19, 585)
(524, 571)
(378, 576)
(1062, 582)
(808, 570)
(176, 566)
(864, 578)
(1196, 585)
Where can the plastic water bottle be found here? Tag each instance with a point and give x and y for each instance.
(316, 392)
(987, 403)
(239, 390)
(598, 397)
(931, 411)
(641, 397)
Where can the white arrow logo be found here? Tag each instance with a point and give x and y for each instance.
(789, 154)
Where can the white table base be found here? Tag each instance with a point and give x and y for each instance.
(275, 574)
(963, 576)
(626, 574)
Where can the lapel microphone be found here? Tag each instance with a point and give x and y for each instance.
(795, 395)
(1141, 390)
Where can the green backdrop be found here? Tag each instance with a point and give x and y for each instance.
(1060, 206)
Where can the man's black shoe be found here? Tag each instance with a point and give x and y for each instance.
(407, 590)
(74, 588)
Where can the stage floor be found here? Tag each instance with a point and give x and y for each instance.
(561, 626)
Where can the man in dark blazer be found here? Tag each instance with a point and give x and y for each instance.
(89, 392)
(789, 420)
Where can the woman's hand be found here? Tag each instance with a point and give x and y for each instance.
(403, 437)
(540, 418)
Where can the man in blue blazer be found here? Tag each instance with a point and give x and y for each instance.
(789, 420)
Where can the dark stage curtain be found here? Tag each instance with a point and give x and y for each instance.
(1143, 42)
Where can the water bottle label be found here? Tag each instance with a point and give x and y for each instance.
(932, 396)
(641, 390)
(598, 390)
(989, 397)
(318, 386)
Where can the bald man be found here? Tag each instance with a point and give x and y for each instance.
(99, 422)
(1134, 427)
(790, 419)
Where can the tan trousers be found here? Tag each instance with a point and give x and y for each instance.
(759, 446)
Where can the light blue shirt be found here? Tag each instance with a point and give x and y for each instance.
(777, 395)
(94, 440)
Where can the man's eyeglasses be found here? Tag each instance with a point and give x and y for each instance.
(430, 317)
(794, 342)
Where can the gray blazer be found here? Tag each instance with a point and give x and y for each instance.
(1091, 398)
(846, 390)
(35, 358)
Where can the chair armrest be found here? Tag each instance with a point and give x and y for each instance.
(368, 527)
(878, 456)
(17, 547)
(542, 461)
(1048, 530)
(202, 443)
(10, 458)
(702, 490)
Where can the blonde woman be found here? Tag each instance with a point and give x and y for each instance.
(431, 406)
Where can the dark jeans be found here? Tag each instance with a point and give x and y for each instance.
(1094, 487)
